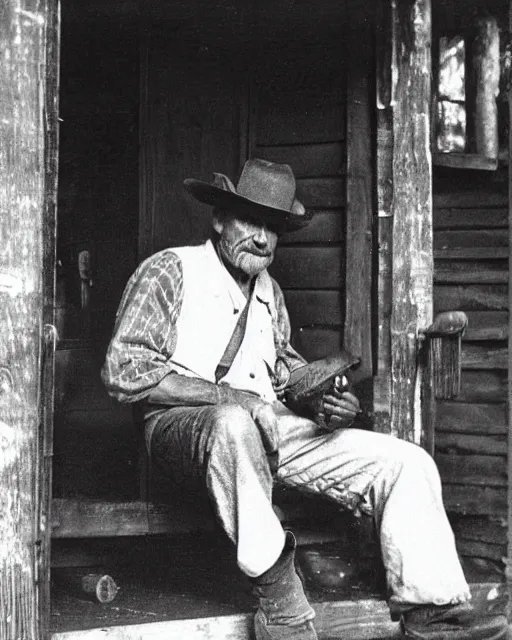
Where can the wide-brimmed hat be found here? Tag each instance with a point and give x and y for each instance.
(265, 190)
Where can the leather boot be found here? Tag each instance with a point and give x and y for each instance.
(452, 622)
(284, 612)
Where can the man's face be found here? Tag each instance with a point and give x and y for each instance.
(247, 245)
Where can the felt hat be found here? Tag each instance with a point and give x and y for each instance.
(265, 191)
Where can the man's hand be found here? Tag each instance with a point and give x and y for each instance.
(265, 419)
(260, 411)
(338, 407)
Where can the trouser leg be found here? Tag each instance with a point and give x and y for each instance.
(222, 448)
(395, 481)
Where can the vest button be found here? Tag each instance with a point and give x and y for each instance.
(251, 375)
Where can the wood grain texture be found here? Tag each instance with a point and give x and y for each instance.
(469, 500)
(359, 620)
(322, 193)
(412, 211)
(470, 198)
(313, 160)
(475, 218)
(310, 306)
(300, 118)
(308, 267)
(317, 342)
(471, 298)
(471, 253)
(357, 335)
(484, 470)
(487, 325)
(485, 355)
(471, 272)
(463, 417)
(470, 238)
(483, 386)
(382, 380)
(481, 529)
(189, 133)
(474, 444)
(325, 227)
(28, 156)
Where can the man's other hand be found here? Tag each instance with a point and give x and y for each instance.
(338, 407)
(266, 420)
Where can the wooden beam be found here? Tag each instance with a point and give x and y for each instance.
(509, 389)
(44, 473)
(464, 218)
(471, 297)
(462, 443)
(471, 272)
(307, 267)
(357, 620)
(465, 161)
(357, 335)
(412, 210)
(470, 500)
(473, 469)
(462, 417)
(385, 54)
(29, 45)
(471, 253)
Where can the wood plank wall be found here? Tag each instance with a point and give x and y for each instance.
(95, 446)
(471, 274)
(301, 120)
(189, 129)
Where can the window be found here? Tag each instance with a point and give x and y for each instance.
(467, 76)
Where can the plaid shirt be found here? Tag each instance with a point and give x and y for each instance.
(145, 335)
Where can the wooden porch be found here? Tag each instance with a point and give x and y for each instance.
(146, 99)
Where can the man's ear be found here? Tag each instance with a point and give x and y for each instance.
(218, 221)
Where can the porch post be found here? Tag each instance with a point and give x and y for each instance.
(28, 75)
(412, 251)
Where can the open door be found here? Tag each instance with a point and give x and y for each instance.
(29, 45)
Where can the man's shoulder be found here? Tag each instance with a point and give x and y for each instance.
(164, 261)
(168, 259)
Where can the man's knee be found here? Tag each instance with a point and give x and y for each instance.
(233, 425)
(412, 456)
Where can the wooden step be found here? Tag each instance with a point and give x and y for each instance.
(366, 619)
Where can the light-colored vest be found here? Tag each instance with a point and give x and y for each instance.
(212, 303)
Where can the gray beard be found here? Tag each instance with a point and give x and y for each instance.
(244, 261)
(252, 265)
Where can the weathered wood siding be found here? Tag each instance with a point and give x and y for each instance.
(300, 119)
(471, 274)
(29, 44)
(190, 105)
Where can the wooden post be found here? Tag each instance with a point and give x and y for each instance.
(28, 111)
(508, 572)
(412, 213)
(386, 75)
(357, 335)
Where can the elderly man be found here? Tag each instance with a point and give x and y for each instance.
(202, 343)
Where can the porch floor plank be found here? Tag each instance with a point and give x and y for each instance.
(191, 587)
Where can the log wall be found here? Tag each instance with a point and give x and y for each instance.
(300, 119)
(471, 274)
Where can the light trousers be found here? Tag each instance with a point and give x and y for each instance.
(395, 481)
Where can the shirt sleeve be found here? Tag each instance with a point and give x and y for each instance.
(139, 354)
(285, 353)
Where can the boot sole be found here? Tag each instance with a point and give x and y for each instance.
(264, 631)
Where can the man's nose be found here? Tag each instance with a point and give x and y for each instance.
(261, 235)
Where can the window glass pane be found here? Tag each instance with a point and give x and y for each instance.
(451, 126)
(452, 73)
